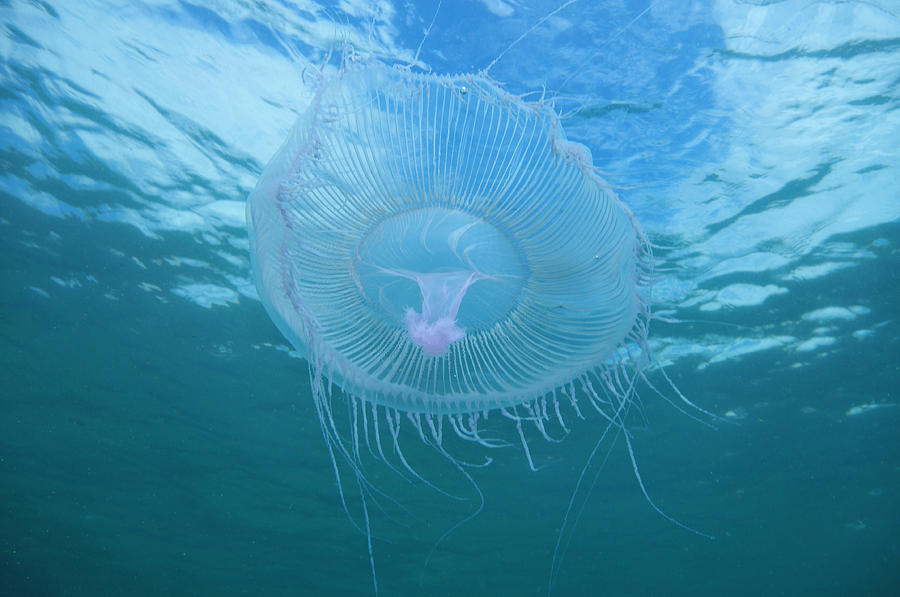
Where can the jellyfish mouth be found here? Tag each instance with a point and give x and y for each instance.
(439, 274)
(434, 329)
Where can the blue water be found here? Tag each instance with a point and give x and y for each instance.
(158, 437)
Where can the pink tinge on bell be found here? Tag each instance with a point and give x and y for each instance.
(435, 329)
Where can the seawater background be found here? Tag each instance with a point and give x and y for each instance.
(156, 437)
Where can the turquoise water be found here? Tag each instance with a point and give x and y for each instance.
(157, 436)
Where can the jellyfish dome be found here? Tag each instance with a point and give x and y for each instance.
(434, 244)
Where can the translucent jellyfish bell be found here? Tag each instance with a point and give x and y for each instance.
(436, 246)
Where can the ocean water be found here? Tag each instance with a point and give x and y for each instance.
(157, 436)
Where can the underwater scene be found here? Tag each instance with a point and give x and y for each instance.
(450, 297)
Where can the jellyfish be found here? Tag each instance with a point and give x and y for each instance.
(436, 248)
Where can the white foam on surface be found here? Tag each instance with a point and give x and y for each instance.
(742, 295)
(815, 343)
(836, 313)
(207, 295)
